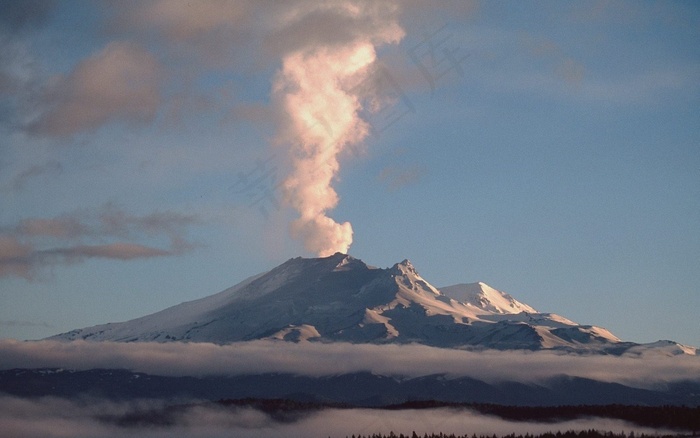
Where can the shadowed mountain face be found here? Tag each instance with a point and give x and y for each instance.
(356, 389)
(340, 298)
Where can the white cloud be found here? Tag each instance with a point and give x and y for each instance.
(51, 417)
(316, 359)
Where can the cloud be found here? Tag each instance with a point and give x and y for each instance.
(399, 176)
(325, 91)
(19, 81)
(35, 243)
(94, 417)
(121, 82)
(183, 20)
(310, 25)
(571, 71)
(220, 33)
(14, 257)
(264, 31)
(316, 359)
(53, 417)
(16, 16)
(124, 82)
(116, 222)
(119, 250)
(324, 48)
(49, 168)
(66, 226)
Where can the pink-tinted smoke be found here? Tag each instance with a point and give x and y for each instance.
(314, 88)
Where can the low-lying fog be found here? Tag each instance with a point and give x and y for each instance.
(317, 359)
(52, 417)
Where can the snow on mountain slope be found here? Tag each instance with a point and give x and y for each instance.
(484, 297)
(662, 348)
(340, 298)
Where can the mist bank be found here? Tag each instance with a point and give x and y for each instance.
(317, 360)
(50, 417)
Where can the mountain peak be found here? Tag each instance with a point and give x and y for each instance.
(341, 299)
(347, 262)
(484, 297)
(405, 267)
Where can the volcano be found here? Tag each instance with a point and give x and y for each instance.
(342, 299)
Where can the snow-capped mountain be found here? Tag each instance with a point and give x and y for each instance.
(340, 298)
(484, 297)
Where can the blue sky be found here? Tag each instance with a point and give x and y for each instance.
(556, 157)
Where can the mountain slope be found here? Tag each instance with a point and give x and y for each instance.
(484, 297)
(340, 298)
(357, 389)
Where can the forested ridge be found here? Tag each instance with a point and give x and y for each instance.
(681, 418)
(569, 434)
(669, 417)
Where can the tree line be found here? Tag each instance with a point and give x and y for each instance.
(591, 433)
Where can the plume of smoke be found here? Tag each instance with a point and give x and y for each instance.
(314, 88)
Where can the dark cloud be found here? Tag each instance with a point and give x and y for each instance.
(34, 243)
(22, 260)
(20, 82)
(18, 70)
(18, 15)
(119, 250)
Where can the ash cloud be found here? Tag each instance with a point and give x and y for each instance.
(316, 359)
(159, 51)
(328, 50)
(324, 48)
